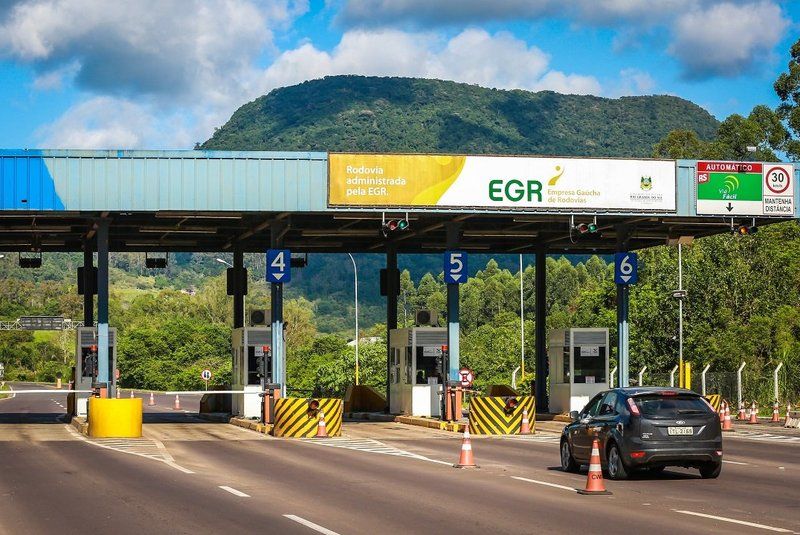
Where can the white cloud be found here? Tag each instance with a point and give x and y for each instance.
(727, 39)
(633, 82)
(473, 56)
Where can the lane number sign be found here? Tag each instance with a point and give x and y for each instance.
(278, 265)
(455, 267)
(626, 268)
(206, 375)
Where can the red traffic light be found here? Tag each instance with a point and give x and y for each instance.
(93, 348)
(745, 230)
(444, 348)
(266, 349)
(511, 404)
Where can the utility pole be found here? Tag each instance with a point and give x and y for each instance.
(355, 277)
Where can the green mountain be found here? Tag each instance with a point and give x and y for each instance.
(372, 114)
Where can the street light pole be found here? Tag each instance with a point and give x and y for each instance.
(355, 282)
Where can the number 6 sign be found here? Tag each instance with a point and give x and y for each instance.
(626, 268)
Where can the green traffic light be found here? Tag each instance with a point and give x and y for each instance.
(592, 228)
(402, 224)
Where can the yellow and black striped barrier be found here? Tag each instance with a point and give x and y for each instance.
(495, 416)
(295, 419)
(715, 400)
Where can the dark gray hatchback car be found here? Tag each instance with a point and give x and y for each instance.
(646, 428)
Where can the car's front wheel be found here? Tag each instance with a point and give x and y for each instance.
(616, 468)
(568, 463)
(710, 470)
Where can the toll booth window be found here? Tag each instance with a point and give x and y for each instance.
(252, 367)
(590, 364)
(565, 366)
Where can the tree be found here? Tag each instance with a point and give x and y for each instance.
(787, 86)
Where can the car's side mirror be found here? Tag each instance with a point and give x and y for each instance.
(573, 415)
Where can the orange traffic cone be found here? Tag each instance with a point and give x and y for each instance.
(594, 479)
(776, 413)
(322, 431)
(722, 412)
(753, 414)
(466, 460)
(741, 415)
(131, 394)
(152, 400)
(177, 406)
(788, 410)
(525, 426)
(726, 423)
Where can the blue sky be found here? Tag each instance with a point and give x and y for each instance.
(165, 73)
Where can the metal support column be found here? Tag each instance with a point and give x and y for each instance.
(540, 319)
(277, 232)
(238, 293)
(105, 375)
(623, 295)
(391, 313)
(453, 332)
(88, 283)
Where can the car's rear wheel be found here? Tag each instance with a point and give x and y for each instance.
(710, 470)
(616, 468)
(568, 463)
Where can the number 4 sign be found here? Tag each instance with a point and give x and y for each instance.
(626, 268)
(278, 265)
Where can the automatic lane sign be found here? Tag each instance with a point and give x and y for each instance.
(455, 267)
(278, 265)
(626, 268)
(466, 376)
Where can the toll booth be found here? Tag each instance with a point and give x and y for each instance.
(251, 347)
(578, 367)
(85, 371)
(417, 370)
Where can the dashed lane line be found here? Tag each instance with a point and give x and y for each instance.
(545, 438)
(141, 447)
(310, 524)
(234, 491)
(733, 521)
(370, 445)
(735, 462)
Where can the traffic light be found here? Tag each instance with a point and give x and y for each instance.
(586, 228)
(511, 404)
(393, 225)
(262, 361)
(745, 230)
(91, 362)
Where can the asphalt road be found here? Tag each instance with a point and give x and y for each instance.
(381, 478)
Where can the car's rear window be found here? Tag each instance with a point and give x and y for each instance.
(671, 406)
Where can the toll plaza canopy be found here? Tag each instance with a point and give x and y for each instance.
(218, 200)
(198, 201)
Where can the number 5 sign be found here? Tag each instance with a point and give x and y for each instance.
(626, 268)
(278, 265)
(455, 267)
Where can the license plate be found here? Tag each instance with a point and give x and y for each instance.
(680, 430)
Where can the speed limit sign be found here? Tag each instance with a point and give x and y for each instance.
(466, 376)
(778, 178)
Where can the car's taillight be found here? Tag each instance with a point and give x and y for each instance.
(668, 393)
(637, 454)
(719, 452)
(634, 408)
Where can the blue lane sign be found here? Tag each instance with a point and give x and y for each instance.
(626, 268)
(278, 265)
(455, 267)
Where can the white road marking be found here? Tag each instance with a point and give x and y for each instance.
(142, 447)
(310, 524)
(536, 437)
(735, 462)
(234, 491)
(370, 445)
(545, 483)
(763, 437)
(731, 520)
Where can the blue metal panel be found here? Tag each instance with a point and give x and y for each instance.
(685, 182)
(162, 180)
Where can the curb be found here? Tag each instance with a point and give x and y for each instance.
(81, 425)
(453, 427)
(252, 425)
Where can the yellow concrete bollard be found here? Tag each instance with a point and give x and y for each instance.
(115, 418)
(687, 375)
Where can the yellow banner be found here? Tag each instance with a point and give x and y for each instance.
(391, 180)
